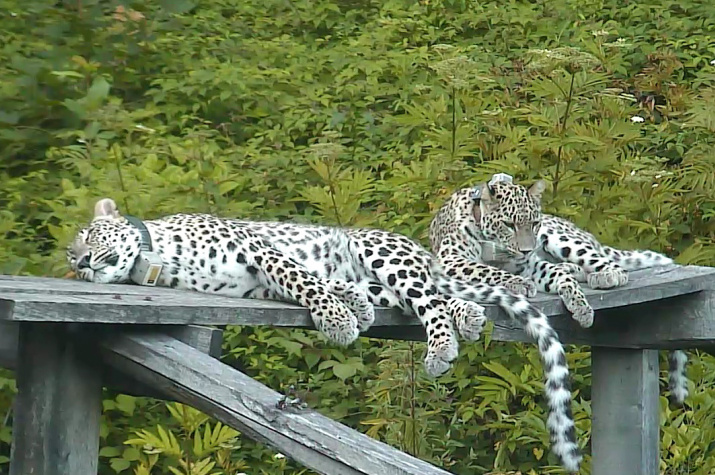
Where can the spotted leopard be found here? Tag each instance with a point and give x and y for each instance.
(496, 234)
(337, 273)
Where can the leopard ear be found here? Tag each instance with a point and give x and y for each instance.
(537, 189)
(106, 208)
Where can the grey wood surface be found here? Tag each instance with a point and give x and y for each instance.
(58, 406)
(625, 405)
(310, 438)
(204, 339)
(636, 315)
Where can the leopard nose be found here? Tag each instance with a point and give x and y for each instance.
(83, 263)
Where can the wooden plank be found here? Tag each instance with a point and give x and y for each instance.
(58, 406)
(310, 438)
(624, 400)
(651, 296)
(9, 335)
(682, 322)
(31, 299)
(204, 339)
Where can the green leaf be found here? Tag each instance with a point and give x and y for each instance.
(109, 452)
(119, 464)
(131, 454)
(126, 404)
(311, 359)
(344, 371)
(177, 6)
(97, 93)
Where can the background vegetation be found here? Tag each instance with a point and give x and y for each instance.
(362, 113)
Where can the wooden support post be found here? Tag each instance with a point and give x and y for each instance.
(625, 412)
(59, 403)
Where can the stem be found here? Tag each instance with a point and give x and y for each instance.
(569, 99)
(331, 188)
(118, 164)
(413, 398)
(454, 121)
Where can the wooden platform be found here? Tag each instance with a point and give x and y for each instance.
(52, 333)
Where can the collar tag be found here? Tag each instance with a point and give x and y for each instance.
(148, 265)
(147, 269)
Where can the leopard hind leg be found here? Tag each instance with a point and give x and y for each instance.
(402, 266)
(291, 281)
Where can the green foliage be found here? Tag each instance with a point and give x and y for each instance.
(362, 113)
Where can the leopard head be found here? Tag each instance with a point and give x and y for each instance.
(105, 251)
(509, 215)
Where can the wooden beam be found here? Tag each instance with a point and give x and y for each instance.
(625, 404)
(668, 307)
(687, 321)
(310, 438)
(204, 339)
(58, 406)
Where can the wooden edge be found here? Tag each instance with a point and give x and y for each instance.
(206, 340)
(237, 400)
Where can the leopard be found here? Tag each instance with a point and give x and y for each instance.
(496, 233)
(339, 274)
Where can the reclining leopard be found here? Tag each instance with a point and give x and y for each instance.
(496, 234)
(337, 273)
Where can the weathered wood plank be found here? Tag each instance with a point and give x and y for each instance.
(686, 321)
(651, 293)
(625, 405)
(204, 339)
(312, 439)
(58, 406)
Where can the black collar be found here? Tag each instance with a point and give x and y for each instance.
(145, 244)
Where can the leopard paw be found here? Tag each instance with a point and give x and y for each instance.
(440, 356)
(583, 314)
(575, 270)
(575, 301)
(357, 301)
(608, 278)
(468, 317)
(335, 321)
(521, 285)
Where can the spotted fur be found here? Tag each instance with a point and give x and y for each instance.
(496, 233)
(337, 273)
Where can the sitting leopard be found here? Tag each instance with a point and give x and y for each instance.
(496, 234)
(337, 273)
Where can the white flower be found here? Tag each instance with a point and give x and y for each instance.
(637, 119)
(712, 62)
(279, 456)
(654, 185)
(600, 33)
(144, 128)
(633, 173)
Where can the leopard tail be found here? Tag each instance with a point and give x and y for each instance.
(557, 388)
(635, 260)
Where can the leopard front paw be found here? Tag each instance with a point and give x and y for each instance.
(469, 318)
(335, 321)
(357, 301)
(575, 301)
(608, 278)
(583, 314)
(440, 356)
(521, 285)
(575, 270)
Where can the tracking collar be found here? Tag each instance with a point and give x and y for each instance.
(476, 193)
(147, 266)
